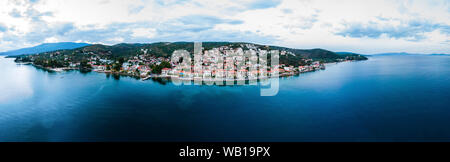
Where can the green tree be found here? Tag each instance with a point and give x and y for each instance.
(165, 64)
(158, 68)
(116, 67)
(84, 64)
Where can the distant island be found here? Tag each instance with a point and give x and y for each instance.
(406, 54)
(153, 60)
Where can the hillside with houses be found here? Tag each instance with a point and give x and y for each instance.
(154, 60)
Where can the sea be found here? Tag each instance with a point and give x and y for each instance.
(386, 98)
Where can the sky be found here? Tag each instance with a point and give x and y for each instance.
(361, 26)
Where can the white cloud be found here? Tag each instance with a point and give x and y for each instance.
(144, 32)
(116, 39)
(51, 40)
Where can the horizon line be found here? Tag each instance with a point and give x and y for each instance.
(401, 52)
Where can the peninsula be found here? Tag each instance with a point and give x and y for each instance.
(154, 60)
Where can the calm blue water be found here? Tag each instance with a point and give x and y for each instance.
(388, 98)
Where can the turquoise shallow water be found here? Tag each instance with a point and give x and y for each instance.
(387, 98)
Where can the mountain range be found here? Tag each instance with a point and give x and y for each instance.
(288, 56)
(46, 47)
(49, 47)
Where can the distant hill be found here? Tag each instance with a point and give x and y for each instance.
(348, 53)
(394, 54)
(46, 47)
(165, 49)
(440, 54)
(408, 54)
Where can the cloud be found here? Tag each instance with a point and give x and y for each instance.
(41, 32)
(15, 13)
(216, 35)
(263, 4)
(229, 5)
(445, 29)
(27, 10)
(413, 30)
(63, 28)
(171, 2)
(365, 26)
(144, 33)
(196, 23)
(104, 2)
(190, 28)
(140, 32)
(35, 15)
(287, 11)
(3, 27)
(206, 20)
(135, 9)
(306, 22)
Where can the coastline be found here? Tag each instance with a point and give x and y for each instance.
(156, 76)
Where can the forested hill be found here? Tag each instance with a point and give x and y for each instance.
(165, 49)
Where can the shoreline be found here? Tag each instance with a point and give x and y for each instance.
(62, 69)
(155, 76)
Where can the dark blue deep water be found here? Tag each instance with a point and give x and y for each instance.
(387, 98)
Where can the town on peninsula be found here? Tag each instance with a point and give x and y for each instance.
(219, 60)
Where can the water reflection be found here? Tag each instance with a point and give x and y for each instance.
(15, 82)
(85, 71)
(116, 76)
(162, 81)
